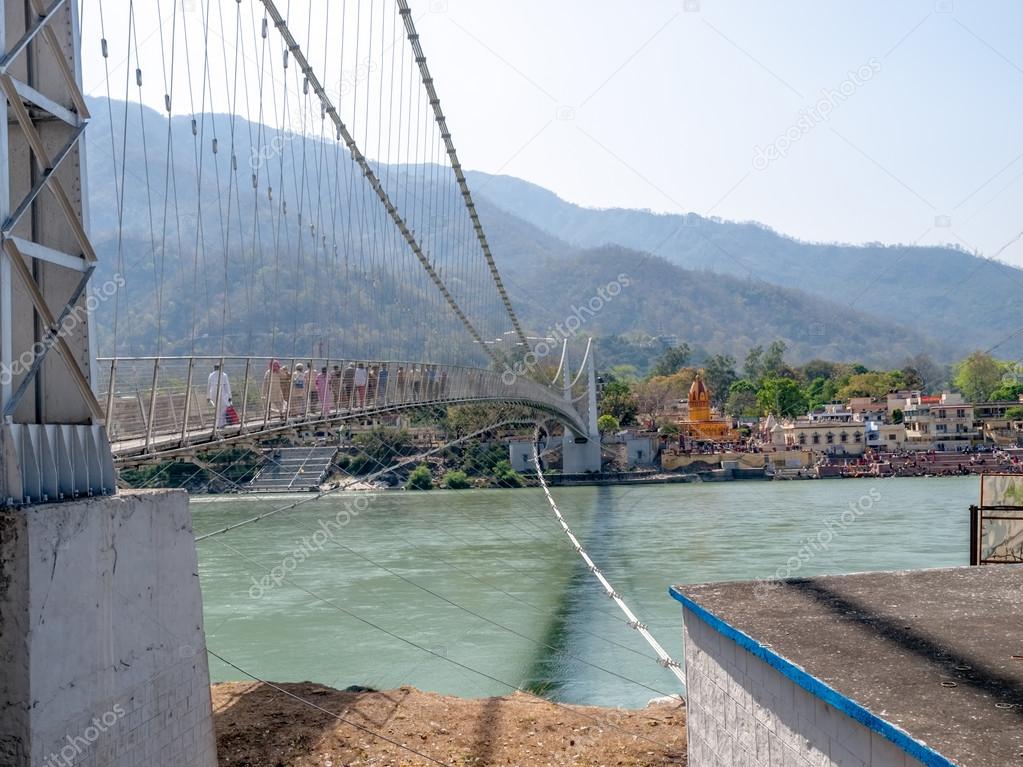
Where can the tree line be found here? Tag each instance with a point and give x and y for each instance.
(766, 383)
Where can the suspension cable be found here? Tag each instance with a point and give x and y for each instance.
(413, 36)
(370, 174)
(662, 656)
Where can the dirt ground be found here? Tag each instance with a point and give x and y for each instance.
(259, 726)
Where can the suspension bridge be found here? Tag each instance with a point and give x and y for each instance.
(256, 225)
(264, 197)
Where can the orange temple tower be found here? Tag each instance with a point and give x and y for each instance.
(702, 424)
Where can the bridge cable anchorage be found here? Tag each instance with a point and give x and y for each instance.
(662, 656)
(338, 717)
(420, 57)
(344, 134)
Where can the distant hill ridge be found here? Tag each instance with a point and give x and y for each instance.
(961, 300)
(722, 286)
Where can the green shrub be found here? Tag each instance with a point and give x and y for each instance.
(420, 478)
(455, 480)
(506, 476)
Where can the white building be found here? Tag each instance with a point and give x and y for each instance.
(942, 423)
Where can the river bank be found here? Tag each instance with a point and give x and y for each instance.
(261, 725)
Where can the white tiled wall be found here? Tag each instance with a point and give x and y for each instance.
(743, 713)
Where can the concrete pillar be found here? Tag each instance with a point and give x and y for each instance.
(102, 650)
(582, 454)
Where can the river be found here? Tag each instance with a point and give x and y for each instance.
(474, 592)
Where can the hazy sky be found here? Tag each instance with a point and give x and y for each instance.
(827, 120)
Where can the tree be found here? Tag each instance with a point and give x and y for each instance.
(742, 399)
(977, 376)
(506, 476)
(673, 360)
(874, 384)
(618, 400)
(1008, 391)
(912, 378)
(781, 396)
(1014, 413)
(607, 423)
(466, 419)
(820, 369)
(420, 478)
(655, 395)
(455, 480)
(753, 367)
(820, 391)
(719, 374)
(624, 373)
(774, 360)
(378, 448)
(931, 375)
(897, 415)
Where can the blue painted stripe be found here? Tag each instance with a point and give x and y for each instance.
(919, 751)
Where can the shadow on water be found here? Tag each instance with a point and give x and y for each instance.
(551, 668)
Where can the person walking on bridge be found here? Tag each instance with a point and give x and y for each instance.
(348, 385)
(371, 385)
(218, 392)
(324, 392)
(399, 384)
(299, 379)
(382, 385)
(335, 385)
(272, 393)
(417, 382)
(361, 379)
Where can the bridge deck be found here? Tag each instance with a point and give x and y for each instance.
(161, 407)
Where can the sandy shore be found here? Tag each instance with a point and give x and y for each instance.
(259, 726)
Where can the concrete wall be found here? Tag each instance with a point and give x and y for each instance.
(742, 712)
(102, 645)
(640, 451)
(520, 456)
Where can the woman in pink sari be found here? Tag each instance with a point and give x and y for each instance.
(325, 391)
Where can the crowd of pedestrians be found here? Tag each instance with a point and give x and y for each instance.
(357, 385)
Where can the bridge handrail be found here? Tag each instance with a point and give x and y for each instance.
(156, 404)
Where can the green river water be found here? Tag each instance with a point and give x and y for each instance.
(512, 605)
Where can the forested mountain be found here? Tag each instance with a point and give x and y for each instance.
(331, 269)
(941, 292)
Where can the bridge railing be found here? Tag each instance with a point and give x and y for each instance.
(155, 404)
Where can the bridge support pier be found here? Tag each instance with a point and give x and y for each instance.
(579, 458)
(578, 454)
(102, 649)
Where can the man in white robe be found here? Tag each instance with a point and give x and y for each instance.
(218, 392)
